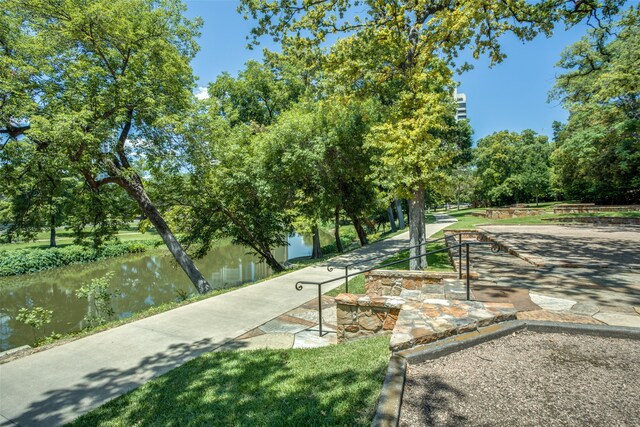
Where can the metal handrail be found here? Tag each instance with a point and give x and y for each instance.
(299, 285)
(346, 267)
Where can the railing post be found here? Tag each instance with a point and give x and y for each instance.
(320, 309)
(460, 256)
(468, 284)
(346, 279)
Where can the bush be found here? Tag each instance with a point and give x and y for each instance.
(99, 296)
(22, 261)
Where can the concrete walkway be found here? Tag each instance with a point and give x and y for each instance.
(55, 386)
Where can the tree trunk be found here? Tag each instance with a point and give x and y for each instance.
(317, 250)
(400, 215)
(416, 230)
(134, 187)
(362, 234)
(336, 231)
(392, 220)
(52, 232)
(271, 261)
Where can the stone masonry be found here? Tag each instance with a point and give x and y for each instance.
(591, 208)
(513, 212)
(363, 315)
(416, 307)
(393, 282)
(434, 319)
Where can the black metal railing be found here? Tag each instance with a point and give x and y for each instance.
(299, 285)
(386, 255)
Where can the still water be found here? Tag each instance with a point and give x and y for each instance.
(144, 280)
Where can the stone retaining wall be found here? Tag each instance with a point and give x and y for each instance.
(591, 208)
(392, 282)
(361, 316)
(598, 220)
(503, 213)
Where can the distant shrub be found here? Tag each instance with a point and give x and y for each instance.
(22, 261)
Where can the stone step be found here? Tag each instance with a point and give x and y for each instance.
(433, 319)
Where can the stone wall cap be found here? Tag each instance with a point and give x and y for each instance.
(344, 298)
(370, 301)
(413, 274)
(394, 302)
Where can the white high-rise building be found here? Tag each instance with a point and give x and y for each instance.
(461, 100)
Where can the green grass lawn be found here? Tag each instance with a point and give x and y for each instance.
(329, 386)
(65, 237)
(467, 221)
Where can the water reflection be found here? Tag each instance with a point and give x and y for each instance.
(144, 280)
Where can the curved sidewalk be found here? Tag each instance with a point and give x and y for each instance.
(57, 385)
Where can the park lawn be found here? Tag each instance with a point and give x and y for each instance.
(467, 221)
(65, 237)
(335, 385)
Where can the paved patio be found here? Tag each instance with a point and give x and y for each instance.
(587, 292)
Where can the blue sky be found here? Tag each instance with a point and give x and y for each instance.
(511, 95)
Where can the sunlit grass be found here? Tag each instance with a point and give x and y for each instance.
(65, 237)
(336, 385)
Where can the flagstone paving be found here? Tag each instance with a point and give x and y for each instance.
(605, 295)
(421, 322)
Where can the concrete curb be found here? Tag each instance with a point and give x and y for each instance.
(388, 408)
(390, 402)
(455, 343)
(15, 351)
(604, 331)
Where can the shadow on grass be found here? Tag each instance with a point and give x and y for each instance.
(336, 385)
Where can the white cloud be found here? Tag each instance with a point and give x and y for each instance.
(201, 93)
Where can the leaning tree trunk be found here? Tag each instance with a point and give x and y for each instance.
(392, 221)
(362, 234)
(271, 261)
(134, 188)
(400, 215)
(417, 231)
(317, 250)
(336, 231)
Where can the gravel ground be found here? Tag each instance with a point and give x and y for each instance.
(528, 379)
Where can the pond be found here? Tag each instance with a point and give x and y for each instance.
(144, 280)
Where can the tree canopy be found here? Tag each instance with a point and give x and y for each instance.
(598, 150)
(512, 167)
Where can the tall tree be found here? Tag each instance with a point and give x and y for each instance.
(513, 167)
(598, 150)
(393, 50)
(117, 85)
(240, 201)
